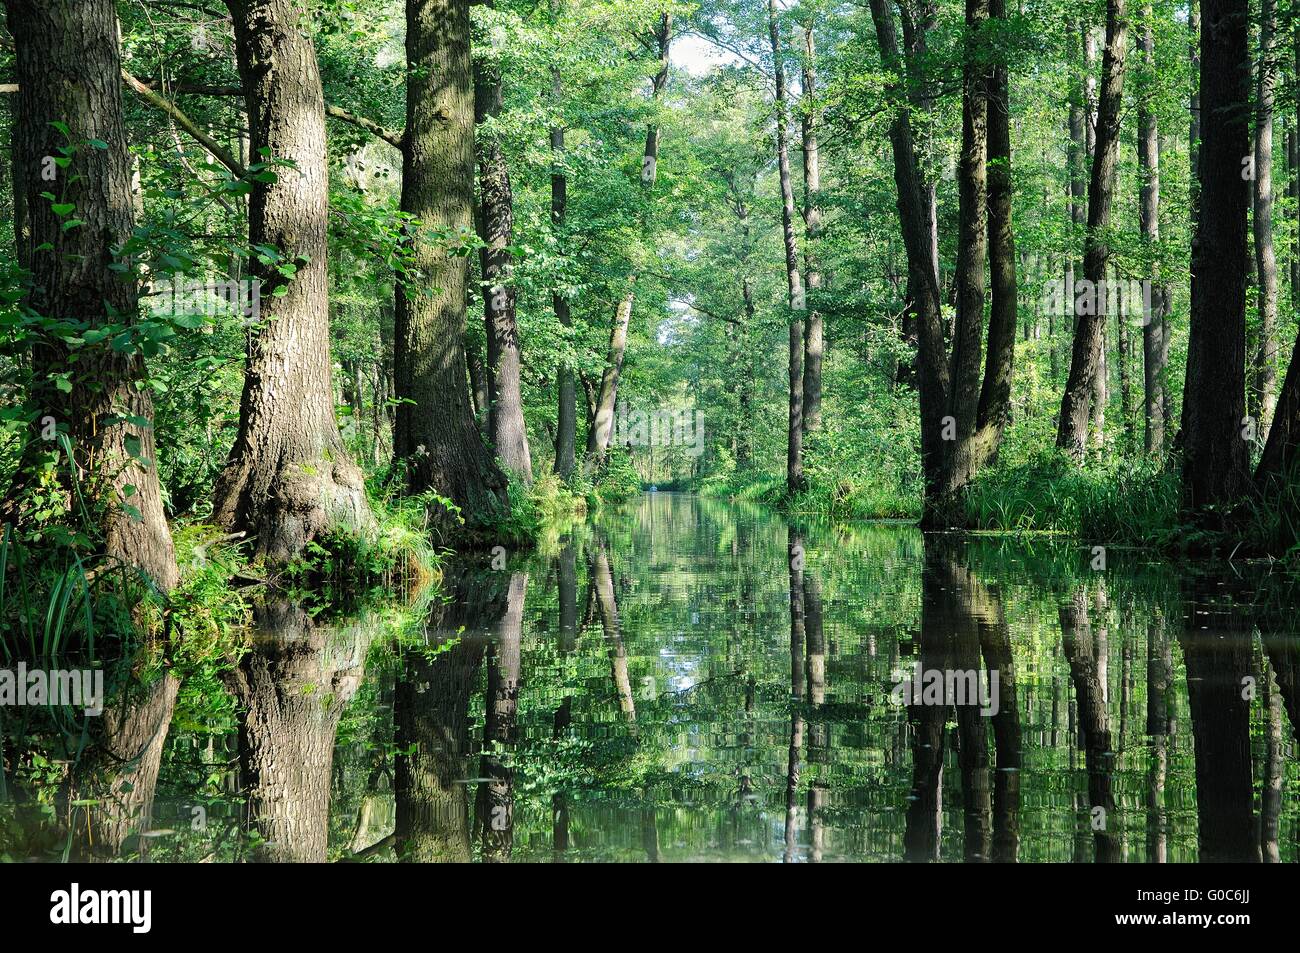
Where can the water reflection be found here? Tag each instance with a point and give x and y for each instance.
(691, 679)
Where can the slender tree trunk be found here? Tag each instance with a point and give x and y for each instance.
(436, 433)
(1153, 345)
(1086, 357)
(602, 428)
(1263, 395)
(598, 436)
(814, 333)
(566, 429)
(794, 479)
(1215, 455)
(506, 427)
(1194, 111)
(923, 281)
(1100, 380)
(995, 394)
(68, 65)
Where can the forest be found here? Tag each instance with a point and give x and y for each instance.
(326, 325)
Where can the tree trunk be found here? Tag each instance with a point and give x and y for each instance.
(1154, 347)
(923, 280)
(1263, 395)
(794, 480)
(566, 430)
(289, 477)
(436, 433)
(495, 803)
(1086, 362)
(598, 435)
(1215, 455)
(506, 427)
(68, 66)
(602, 428)
(972, 253)
(814, 333)
(995, 395)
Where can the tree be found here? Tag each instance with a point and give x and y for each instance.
(794, 480)
(1214, 446)
(1155, 339)
(289, 478)
(506, 408)
(814, 333)
(435, 432)
(69, 98)
(1086, 357)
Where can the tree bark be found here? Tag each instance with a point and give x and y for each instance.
(289, 477)
(972, 253)
(923, 280)
(1263, 393)
(68, 64)
(814, 331)
(1154, 344)
(794, 480)
(995, 394)
(1215, 455)
(506, 427)
(598, 436)
(436, 433)
(1086, 360)
(566, 428)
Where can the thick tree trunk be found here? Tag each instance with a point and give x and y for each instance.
(68, 66)
(1086, 362)
(506, 427)
(1263, 393)
(1215, 455)
(972, 254)
(923, 280)
(814, 331)
(1154, 344)
(436, 433)
(289, 477)
(794, 480)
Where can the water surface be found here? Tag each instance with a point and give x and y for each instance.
(690, 679)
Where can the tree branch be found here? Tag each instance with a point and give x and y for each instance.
(158, 101)
(388, 135)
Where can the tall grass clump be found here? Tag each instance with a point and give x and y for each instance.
(1118, 501)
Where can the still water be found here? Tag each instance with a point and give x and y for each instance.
(689, 679)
